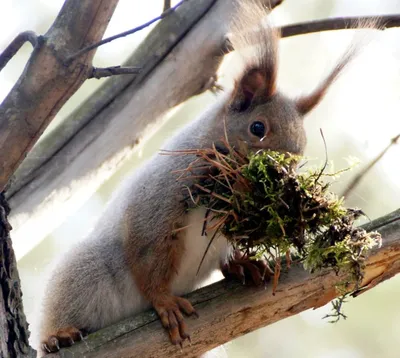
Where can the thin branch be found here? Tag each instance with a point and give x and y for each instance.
(341, 23)
(336, 23)
(113, 71)
(359, 176)
(16, 44)
(167, 5)
(123, 34)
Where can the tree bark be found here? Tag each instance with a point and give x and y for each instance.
(14, 333)
(228, 310)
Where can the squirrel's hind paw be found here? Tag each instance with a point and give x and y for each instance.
(64, 337)
(170, 308)
(242, 268)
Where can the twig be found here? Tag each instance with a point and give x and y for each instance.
(326, 156)
(167, 5)
(360, 175)
(341, 23)
(15, 45)
(112, 71)
(123, 34)
(336, 23)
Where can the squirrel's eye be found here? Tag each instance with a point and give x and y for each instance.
(258, 129)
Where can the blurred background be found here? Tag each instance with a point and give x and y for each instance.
(359, 116)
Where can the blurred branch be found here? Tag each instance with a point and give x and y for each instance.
(16, 44)
(97, 72)
(341, 23)
(126, 33)
(167, 5)
(228, 310)
(363, 172)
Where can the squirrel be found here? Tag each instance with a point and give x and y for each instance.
(131, 260)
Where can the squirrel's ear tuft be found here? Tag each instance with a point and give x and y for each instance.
(257, 45)
(306, 103)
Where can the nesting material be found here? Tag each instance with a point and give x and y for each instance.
(269, 211)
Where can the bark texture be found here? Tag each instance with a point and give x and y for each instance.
(14, 333)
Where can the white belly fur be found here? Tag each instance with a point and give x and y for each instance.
(195, 246)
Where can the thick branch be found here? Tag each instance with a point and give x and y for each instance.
(229, 310)
(46, 83)
(15, 45)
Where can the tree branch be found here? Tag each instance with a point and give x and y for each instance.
(15, 45)
(341, 23)
(97, 72)
(46, 83)
(229, 310)
(336, 23)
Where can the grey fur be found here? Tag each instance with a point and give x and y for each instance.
(92, 286)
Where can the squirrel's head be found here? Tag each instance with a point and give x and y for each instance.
(271, 123)
(257, 112)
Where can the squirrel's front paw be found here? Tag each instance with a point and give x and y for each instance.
(64, 337)
(240, 267)
(170, 308)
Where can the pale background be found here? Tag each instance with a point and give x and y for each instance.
(358, 117)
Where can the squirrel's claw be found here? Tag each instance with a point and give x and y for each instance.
(240, 267)
(45, 348)
(169, 309)
(65, 337)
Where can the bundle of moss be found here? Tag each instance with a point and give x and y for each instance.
(267, 210)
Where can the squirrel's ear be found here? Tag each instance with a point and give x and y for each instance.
(306, 103)
(258, 48)
(253, 84)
